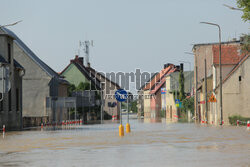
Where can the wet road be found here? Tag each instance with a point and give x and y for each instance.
(149, 144)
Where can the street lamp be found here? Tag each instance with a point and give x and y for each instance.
(196, 86)
(7, 25)
(221, 111)
(233, 8)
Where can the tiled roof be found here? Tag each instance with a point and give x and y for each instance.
(31, 54)
(162, 81)
(93, 71)
(158, 77)
(234, 69)
(145, 83)
(216, 43)
(84, 71)
(229, 54)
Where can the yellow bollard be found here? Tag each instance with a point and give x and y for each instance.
(128, 128)
(121, 130)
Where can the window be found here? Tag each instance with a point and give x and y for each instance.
(9, 97)
(9, 53)
(239, 78)
(17, 99)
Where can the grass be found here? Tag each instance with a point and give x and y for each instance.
(233, 120)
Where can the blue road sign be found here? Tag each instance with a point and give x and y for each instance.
(177, 101)
(121, 95)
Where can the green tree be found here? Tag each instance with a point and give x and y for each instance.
(85, 86)
(134, 106)
(245, 43)
(188, 104)
(71, 88)
(181, 85)
(244, 5)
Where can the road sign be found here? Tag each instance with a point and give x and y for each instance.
(212, 99)
(163, 91)
(121, 95)
(177, 101)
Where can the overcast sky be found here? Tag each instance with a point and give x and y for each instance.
(127, 34)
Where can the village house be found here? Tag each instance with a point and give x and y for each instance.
(152, 93)
(39, 82)
(143, 102)
(156, 103)
(110, 105)
(76, 72)
(172, 87)
(209, 54)
(11, 73)
(235, 92)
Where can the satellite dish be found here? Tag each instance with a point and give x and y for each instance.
(5, 84)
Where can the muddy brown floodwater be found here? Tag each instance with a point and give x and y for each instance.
(149, 144)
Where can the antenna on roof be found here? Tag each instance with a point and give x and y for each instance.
(86, 44)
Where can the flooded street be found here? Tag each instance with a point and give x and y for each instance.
(149, 144)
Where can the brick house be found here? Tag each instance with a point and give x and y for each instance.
(230, 57)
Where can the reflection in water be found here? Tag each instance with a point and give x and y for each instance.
(148, 144)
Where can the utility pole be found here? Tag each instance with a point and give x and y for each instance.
(206, 114)
(86, 45)
(196, 94)
(221, 109)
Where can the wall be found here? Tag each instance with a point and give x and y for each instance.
(147, 109)
(171, 109)
(35, 85)
(236, 93)
(74, 76)
(110, 89)
(11, 116)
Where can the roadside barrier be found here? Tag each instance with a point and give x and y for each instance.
(248, 125)
(3, 129)
(114, 117)
(127, 128)
(121, 130)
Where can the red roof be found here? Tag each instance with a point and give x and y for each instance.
(235, 68)
(158, 77)
(229, 54)
(162, 81)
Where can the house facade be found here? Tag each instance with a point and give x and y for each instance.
(110, 105)
(235, 93)
(39, 82)
(209, 54)
(11, 73)
(172, 86)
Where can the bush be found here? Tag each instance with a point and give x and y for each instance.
(233, 120)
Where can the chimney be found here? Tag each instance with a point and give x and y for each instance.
(80, 60)
(167, 65)
(181, 66)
